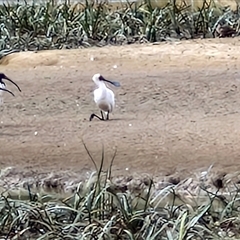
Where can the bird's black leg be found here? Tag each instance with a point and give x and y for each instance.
(102, 115)
(94, 115)
(107, 116)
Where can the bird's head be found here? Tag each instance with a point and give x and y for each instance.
(99, 78)
(3, 76)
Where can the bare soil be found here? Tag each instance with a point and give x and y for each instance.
(177, 110)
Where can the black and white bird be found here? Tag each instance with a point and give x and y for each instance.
(3, 85)
(103, 96)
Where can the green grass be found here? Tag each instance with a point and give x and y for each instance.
(48, 26)
(101, 209)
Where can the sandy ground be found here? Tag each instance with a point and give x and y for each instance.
(177, 110)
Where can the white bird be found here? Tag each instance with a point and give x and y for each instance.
(103, 96)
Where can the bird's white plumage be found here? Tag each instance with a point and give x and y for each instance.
(103, 96)
(1, 93)
(2, 86)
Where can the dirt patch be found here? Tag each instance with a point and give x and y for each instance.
(177, 111)
(199, 4)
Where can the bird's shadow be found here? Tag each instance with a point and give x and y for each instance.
(117, 119)
(114, 119)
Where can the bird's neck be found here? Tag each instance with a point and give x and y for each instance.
(102, 85)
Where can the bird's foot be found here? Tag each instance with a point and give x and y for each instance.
(91, 117)
(94, 115)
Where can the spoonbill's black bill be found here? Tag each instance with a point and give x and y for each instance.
(4, 89)
(3, 76)
(116, 84)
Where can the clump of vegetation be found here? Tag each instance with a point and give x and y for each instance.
(39, 26)
(99, 209)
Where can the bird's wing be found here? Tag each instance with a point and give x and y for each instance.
(111, 97)
(97, 94)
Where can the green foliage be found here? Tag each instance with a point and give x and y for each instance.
(48, 26)
(99, 209)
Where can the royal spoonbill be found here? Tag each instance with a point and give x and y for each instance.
(3, 85)
(103, 96)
